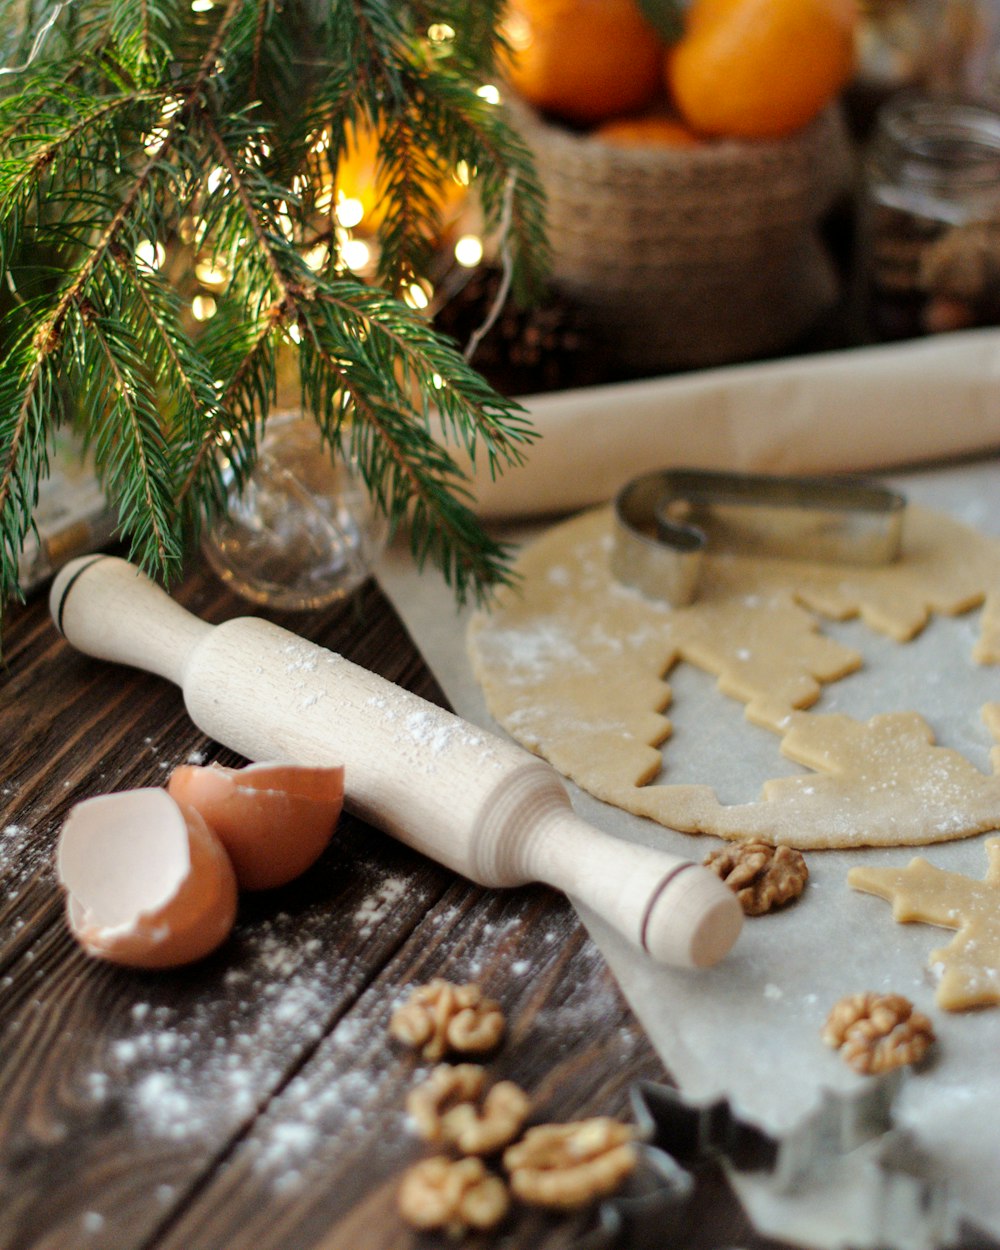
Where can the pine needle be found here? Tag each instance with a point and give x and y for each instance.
(131, 128)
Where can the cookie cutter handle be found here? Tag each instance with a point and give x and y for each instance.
(659, 556)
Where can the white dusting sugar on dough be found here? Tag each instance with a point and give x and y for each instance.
(577, 669)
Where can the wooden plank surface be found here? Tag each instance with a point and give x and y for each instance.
(254, 1100)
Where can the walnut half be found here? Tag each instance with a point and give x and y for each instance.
(760, 875)
(452, 1194)
(449, 1107)
(565, 1166)
(440, 1017)
(876, 1032)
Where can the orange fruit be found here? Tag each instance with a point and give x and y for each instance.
(759, 69)
(649, 131)
(583, 60)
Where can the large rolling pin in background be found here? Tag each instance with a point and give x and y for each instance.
(473, 801)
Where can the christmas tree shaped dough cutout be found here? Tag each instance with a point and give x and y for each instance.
(877, 783)
(576, 667)
(970, 963)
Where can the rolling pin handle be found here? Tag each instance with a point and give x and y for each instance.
(692, 919)
(124, 617)
(678, 911)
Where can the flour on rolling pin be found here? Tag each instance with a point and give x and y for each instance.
(432, 730)
(478, 804)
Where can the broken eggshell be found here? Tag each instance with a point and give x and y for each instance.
(275, 820)
(148, 884)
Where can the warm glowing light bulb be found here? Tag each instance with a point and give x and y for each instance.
(150, 255)
(316, 257)
(203, 307)
(216, 178)
(518, 32)
(418, 295)
(356, 254)
(202, 6)
(284, 222)
(440, 32)
(154, 140)
(489, 93)
(464, 174)
(211, 273)
(469, 250)
(349, 211)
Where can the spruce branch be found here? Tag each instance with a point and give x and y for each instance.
(134, 134)
(399, 459)
(125, 432)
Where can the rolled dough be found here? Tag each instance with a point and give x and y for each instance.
(575, 666)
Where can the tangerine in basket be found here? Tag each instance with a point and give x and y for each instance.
(583, 60)
(651, 130)
(758, 69)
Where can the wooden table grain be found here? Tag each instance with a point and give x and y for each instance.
(255, 1100)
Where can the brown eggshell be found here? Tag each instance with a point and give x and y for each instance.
(275, 820)
(148, 884)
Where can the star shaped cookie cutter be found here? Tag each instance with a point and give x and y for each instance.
(665, 521)
(850, 1138)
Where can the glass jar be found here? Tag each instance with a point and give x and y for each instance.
(304, 532)
(931, 217)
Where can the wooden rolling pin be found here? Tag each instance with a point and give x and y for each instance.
(473, 801)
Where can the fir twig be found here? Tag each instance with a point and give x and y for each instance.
(130, 128)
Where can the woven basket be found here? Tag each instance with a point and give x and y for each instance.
(690, 257)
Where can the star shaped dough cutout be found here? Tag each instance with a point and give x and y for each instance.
(970, 963)
(576, 667)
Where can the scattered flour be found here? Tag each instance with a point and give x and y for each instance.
(24, 852)
(194, 1071)
(379, 905)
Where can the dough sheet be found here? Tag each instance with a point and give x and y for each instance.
(577, 668)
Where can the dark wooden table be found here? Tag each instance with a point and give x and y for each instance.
(255, 1099)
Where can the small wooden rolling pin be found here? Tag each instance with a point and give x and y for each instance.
(473, 801)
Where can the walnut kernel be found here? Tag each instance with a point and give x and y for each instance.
(452, 1194)
(449, 1108)
(568, 1165)
(760, 875)
(876, 1032)
(440, 1017)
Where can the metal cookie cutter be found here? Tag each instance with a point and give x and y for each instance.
(664, 522)
(847, 1155)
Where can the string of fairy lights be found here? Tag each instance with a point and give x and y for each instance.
(348, 197)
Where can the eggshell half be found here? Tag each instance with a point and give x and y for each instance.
(148, 885)
(275, 820)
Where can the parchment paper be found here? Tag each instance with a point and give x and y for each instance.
(749, 1028)
(866, 408)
